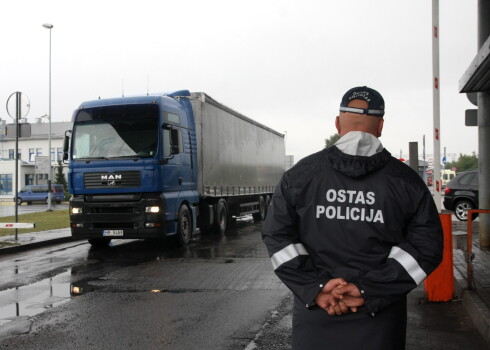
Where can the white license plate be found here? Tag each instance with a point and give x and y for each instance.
(113, 233)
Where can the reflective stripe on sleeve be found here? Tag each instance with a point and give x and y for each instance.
(408, 263)
(288, 253)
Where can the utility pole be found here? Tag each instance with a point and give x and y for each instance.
(484, 130)
(436, 105)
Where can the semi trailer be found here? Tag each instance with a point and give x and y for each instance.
(167, 164)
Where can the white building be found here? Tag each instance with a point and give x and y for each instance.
(29, 147)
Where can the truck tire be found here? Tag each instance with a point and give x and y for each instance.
(184, 226)
(99, 242)
(261, 214)
(221, 217)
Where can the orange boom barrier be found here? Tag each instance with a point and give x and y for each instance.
(439, 286)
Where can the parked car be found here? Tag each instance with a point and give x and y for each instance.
(461, 194)
(36, 193)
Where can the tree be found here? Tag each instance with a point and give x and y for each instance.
(464, 162)
(60, 176)
(331, 140)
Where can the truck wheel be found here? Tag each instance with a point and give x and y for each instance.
(261, 214)
(221, 217)
(184, 226)
(99, 242)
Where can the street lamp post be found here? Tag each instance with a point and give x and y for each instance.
(49, 26)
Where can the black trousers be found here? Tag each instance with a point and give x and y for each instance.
(315, 330)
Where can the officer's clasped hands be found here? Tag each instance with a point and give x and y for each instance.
(339, 297)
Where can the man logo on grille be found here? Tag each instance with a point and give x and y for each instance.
(111, 177)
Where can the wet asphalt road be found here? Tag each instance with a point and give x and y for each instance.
(217, 293)
(214, 294)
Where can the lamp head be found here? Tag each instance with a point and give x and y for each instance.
(47, 25)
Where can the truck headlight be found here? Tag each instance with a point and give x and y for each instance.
(76, 211)
(154, 209)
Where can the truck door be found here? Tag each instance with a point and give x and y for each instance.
(173, 174)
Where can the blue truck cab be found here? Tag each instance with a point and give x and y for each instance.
(131, 167)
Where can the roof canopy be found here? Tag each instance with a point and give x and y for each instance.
(477, 76)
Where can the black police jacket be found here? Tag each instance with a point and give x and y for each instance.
(370, 220)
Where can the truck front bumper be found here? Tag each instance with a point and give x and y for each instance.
(139, 215)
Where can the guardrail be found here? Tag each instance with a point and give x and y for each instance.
(469, 256)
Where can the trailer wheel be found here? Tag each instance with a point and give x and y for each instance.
(261, 214)
(99, 242)
(184, 226)
(221, 217)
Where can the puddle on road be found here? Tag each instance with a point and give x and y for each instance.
(34, 298)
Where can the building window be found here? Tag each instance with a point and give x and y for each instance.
(12, 152)
(29, 179)
(6, 183)
(31, 155)
(59, 154)
(53, 159)
(39, 152)
(41, 179)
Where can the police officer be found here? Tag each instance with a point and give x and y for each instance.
(351, 231)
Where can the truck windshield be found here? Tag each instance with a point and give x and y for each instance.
(120, 131)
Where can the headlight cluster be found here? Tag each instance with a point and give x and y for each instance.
(74, 211)
(154, 209)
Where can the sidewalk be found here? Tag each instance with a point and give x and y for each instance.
(27, 241)
(476, 301)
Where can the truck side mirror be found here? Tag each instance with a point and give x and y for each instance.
(66, 145)
(174, 141)
(173, 138)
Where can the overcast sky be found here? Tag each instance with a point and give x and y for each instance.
(284, 63)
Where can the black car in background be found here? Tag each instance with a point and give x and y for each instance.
(461, 194)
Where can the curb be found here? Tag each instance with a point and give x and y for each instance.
(476, 308)
(27, 246)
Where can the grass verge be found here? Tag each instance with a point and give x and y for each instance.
(7, 244)
(44, 221)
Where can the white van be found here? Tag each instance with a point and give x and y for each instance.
(447, 175)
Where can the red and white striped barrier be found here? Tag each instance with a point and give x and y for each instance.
(17, 225)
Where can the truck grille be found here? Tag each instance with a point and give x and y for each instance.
(113, 210)
(114, 225)
(122, 179)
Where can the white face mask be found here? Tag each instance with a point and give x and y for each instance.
(359, 143)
